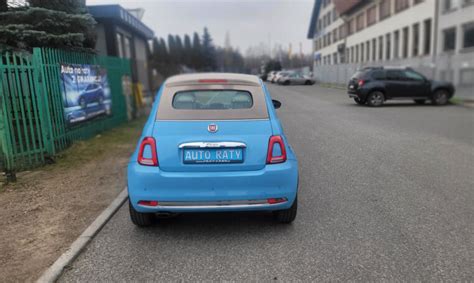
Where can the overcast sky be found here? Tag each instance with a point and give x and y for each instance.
(249, 22)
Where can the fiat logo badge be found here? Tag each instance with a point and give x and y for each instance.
(212, 128)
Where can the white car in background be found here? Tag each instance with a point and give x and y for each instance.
(279, 75)
(270, 76)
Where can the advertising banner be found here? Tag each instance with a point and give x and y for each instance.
(86, 92)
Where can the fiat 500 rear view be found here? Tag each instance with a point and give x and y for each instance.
(212, 143)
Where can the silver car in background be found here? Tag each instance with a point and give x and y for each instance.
(294, 78)
(280, 74)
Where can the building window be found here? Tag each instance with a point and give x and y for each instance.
(371, 15)
(342, 32)
(357, 53)
(384, 9)
(468, 35)
(418, 1)
(334, 58)
(329, 39)
(380, 47)
(334, 15)
(127, 50)
(401, 5)
(362, 53)
(427, 38)
(467, 3)
(334, 35)
(318, 26)
(350, 26)
(374, 48)
(396, 44)
(449, 39)
(466, 77)
(120, 45)
(448, 5)
(367, 50)
(388, 46)
(405, 43)
(416, 39)
(360, 22)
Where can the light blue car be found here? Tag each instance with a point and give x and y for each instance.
(212, 143)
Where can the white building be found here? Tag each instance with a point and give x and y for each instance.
(351, 34)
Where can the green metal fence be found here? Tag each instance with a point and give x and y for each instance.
(32, 124)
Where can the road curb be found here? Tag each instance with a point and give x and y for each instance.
(55, 270)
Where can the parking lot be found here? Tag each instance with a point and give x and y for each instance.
(385, 194)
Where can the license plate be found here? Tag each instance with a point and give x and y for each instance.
(213, 155)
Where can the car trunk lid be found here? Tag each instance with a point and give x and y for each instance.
(247, 137)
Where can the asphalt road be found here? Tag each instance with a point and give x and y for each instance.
(385, 194)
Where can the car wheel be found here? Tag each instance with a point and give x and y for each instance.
(82, 102)
(139, 218)
(308, 83)
(440, 97)
(287, 215)
(375, 98)
(420, 101)
(359, 101)
(286, 83)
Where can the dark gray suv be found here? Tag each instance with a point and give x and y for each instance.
(374, 85)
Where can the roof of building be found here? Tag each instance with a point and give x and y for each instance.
(213, 78)
(342, 7)
(314, 19)
(118, 13)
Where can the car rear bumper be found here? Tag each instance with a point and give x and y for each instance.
(213, 191)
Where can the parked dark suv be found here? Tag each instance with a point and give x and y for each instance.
(375, 85)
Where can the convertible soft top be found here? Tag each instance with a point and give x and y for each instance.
(192, 84)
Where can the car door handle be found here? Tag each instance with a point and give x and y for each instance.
(212, 145)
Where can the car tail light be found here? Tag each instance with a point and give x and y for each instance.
(275, 200)
(148, 142)
(271, 159)
(148, 203)
(360, 83)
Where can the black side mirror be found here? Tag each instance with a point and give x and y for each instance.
(276, 103)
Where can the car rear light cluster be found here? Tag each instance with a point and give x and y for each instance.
(360, 83)
(148, 203)
(276, 141)
(148, 145)
(275, 200)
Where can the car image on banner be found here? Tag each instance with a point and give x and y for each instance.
(86, 92)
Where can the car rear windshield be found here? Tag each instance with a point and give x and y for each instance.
(212, 100)
(359, 75)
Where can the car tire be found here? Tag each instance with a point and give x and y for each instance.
(287, 215)
(286, 83)
(375, 98)
(419, 101)
(138, 218)
(308, 83)
(82, 102)
(359, 101)
(440, 97)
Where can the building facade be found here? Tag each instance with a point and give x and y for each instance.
(348, 35)
(121, 33)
